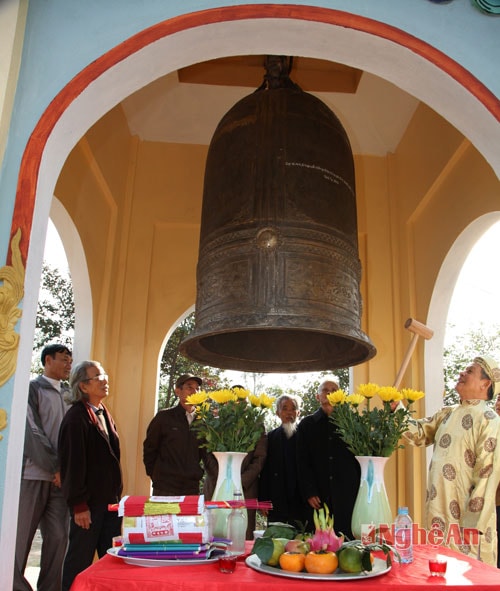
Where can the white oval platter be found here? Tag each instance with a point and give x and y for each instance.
(379, 568)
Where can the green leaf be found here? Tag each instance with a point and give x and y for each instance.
(280, 530)
(263, 548)
(366, 561)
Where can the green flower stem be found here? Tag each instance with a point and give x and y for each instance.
(229, 426)
(371, 432)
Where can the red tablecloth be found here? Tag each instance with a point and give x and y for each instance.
(111, 573)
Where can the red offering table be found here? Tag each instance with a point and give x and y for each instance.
(111, 573)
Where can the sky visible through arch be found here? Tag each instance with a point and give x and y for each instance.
(476, 298)
(475, 301)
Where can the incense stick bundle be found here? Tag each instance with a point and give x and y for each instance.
(247, 503)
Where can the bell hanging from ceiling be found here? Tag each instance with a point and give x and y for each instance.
(278, 271)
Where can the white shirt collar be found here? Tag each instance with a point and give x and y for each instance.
(55, 383)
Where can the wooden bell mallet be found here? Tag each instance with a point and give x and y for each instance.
(419, 330)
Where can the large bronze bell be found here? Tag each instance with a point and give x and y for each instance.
(278, 271)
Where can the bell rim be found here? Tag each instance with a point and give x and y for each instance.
(361, 350)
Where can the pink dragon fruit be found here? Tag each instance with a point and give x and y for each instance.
(325, 538)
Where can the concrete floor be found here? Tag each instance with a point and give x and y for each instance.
(33, 566)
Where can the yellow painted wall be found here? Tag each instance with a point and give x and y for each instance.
(137, 208)
(441, 185)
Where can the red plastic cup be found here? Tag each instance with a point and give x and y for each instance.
(437, 566)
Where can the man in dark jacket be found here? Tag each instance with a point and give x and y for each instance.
(91, 476)
(328, 472)
(278, 479)
(171, 450)
(41, 502)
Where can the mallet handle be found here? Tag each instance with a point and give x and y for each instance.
(406, 360)
(418, 329)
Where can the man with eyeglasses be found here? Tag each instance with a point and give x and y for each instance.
(171, 450)
(41, 503)
(89, 450)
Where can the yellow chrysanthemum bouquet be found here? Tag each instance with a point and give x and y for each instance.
(229, 420)
(372, 431)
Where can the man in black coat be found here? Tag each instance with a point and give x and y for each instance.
(278, 479)
(91, 477)
(328, 472)
(171, 451)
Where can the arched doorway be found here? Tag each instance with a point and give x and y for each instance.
(317, 33)
(440, 303)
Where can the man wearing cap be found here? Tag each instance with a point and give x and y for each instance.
(171, 451)
(465, 469)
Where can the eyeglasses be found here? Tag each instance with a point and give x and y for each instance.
(101, 377)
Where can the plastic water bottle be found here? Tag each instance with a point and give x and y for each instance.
(237, 526)
(403, 535)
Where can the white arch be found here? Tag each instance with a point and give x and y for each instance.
(440, 303)
(80, 278)
(382, 57)
(174, 325)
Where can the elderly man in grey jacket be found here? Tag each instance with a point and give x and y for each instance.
(41, 502)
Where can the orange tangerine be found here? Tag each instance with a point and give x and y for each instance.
(292, 561)
(321, 562)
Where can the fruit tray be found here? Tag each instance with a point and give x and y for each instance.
(379, 568)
